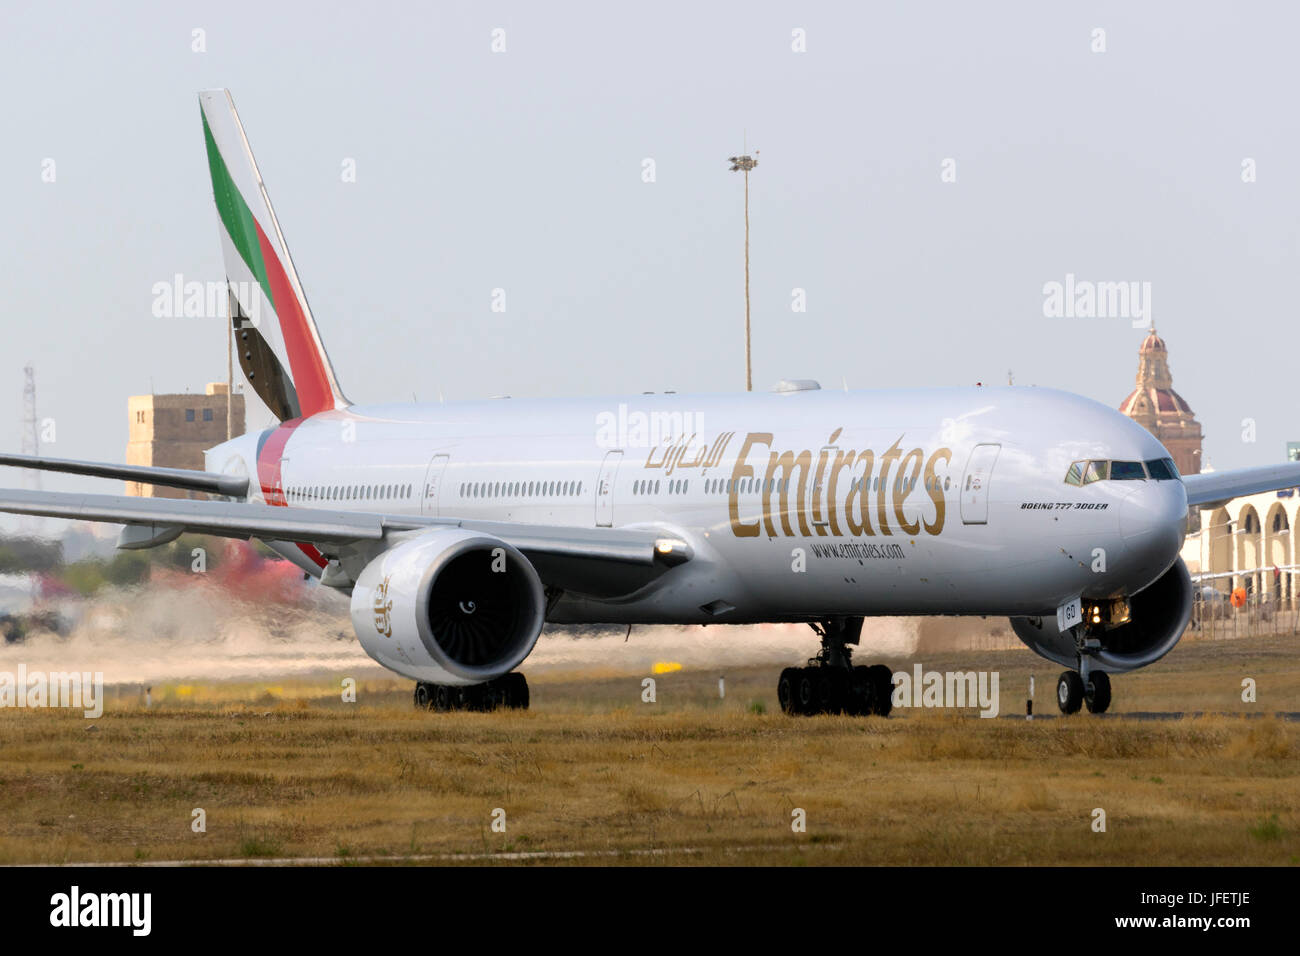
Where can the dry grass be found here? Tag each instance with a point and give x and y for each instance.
(292, 771)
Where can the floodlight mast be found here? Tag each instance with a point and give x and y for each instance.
(744, 164)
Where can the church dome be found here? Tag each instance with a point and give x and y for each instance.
(1155, 406)
(1161, 400)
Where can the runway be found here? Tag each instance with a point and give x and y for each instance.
(1145, 715)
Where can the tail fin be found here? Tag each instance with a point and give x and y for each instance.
(261, 277)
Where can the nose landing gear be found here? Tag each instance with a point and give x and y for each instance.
(1074, 689)
(830, 683)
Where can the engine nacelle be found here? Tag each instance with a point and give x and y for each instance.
(1158, 615)
(449, 606)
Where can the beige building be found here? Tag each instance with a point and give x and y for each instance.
(1241, 543)
(173, 431)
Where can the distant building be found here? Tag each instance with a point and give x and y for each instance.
(173, 431)
(1247, 543)
(1160, 410)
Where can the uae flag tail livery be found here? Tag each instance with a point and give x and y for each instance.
(276, 339)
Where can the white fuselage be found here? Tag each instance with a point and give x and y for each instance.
(960, 507)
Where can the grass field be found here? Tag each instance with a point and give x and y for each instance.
(290, 770)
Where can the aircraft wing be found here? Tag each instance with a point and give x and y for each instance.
(232, 486)
(163, 519)
(1214, 487)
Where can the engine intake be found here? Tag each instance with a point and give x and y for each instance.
(1158, 615)
(449, 606)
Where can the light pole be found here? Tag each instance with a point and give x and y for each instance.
(745, 164)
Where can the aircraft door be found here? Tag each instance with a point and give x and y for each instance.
(975, 484)
(605, 489)
(432, 485)
(816, 507)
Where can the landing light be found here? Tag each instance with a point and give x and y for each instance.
(672, 551)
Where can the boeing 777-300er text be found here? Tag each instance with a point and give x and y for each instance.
(459, 528)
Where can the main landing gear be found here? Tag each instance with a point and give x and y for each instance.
(831, 684)
(509, 691)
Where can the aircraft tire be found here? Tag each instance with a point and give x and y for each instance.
(805, 691)
(882, 689)
(516, 686)
(861, 692)
(1069, 692)
(1097, 692)
(423, 696)
(827, 690)
(785, 690)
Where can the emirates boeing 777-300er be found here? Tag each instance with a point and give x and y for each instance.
(458, 529)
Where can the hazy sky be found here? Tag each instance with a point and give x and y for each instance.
(523, 170)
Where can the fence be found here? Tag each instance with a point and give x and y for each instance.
(1214, 618)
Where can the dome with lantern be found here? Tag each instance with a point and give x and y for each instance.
(1160, 410)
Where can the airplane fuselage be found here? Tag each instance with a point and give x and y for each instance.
(798, 505)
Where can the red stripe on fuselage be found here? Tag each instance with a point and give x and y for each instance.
(270, 458)
(306, 363)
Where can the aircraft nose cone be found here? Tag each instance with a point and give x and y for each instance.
(1153, 520)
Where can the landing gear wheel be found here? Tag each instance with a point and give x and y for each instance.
(1097, 692)
(515, 688)
(861, 693)
(830, 683)
(806, 691)
(785, 689)
(423, 696)
(882, 689)
(1069, 692)
(508, 690)
(828, 698)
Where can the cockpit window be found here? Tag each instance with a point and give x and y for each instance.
(1097, 471)
(1162, 469)
(1086, 472)
(1127, 471)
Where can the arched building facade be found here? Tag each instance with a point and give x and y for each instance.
(1248, 543)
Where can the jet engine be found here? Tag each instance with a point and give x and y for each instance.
(449, 606)
(1124, 634)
